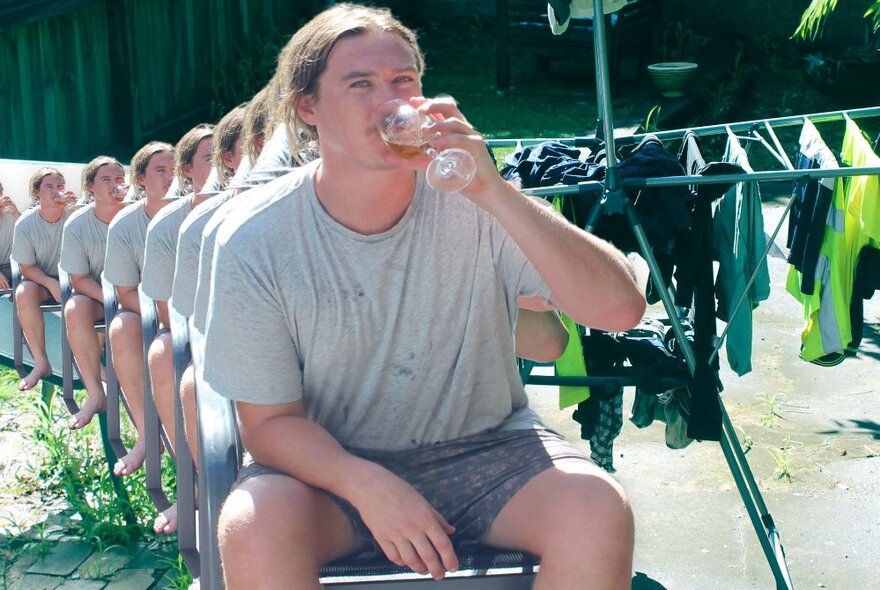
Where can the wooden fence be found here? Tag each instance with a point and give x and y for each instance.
(84, 77)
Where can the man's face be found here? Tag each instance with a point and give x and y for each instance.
(50, 185)
(108, 176)
(362, 73)
(200, 167)
(232, 159)
(159, 174)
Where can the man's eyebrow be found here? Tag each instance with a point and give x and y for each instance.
(357, 74)
(367, 74)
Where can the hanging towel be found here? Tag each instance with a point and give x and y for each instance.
(739, 243)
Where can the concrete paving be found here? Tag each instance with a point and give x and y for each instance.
(692, 529)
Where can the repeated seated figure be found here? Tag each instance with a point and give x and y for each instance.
(152, 171)
(83, 245)
(36, 247)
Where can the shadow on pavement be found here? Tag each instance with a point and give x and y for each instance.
(865, 427)
(642, 581)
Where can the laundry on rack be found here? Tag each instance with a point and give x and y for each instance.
(664, 211)
(739, 243)
(811, 202)
(865, 283)
(685, 263)
(645, 354)
(854, 223)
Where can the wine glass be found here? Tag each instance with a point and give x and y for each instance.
(400, 126)
(119, 191)
(65, 197)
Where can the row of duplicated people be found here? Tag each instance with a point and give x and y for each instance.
(156, 243)
(104, 236)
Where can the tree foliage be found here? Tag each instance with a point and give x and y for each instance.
(814, 17)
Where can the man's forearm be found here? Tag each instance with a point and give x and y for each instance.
(590, 279)
(34, 274)
(305, 450)
(129, 300)
(86, 285)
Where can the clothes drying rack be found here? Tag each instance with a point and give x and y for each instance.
(614, 201)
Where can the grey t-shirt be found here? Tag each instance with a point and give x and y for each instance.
(84, 243)
(7, 227)
(161, 249)
(126, 236)
(186, 275)
(206, 250)
(392, 341)
(36, 241)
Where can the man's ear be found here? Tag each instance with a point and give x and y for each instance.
(306, 108)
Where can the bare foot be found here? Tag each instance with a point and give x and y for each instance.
(34, 377)
(132, 461)
(87, 412)
(166, 522)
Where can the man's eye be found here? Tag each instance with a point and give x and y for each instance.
(360, 84)
(403, 79)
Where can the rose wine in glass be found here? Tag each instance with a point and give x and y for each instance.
(400, 126)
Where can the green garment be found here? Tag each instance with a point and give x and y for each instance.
(853, 222)
(739, 243)
(572, 364)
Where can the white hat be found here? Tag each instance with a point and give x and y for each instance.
(581, 9)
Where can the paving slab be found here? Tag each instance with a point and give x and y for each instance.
(36, 582)
(134, 580)
(147, 559)
(106, 564)
(62, 559)
(82, 584)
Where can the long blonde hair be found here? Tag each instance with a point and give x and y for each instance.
(304, 59)
(37, 179)
(186, 151)
(226, 133)
(141, 159)
(91, 170)
(256, 118)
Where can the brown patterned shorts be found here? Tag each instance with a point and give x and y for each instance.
(467, 480)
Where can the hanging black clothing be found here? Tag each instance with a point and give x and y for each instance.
(807, 221)
(664, 211)
(865, 282)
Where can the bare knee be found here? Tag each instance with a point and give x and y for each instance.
(29, 293)
(593, 507)
(80, 312)
(160, 359)
(125, 334)
(280, 523)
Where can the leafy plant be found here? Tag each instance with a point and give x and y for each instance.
(652, 120)
(784, 457)
(679, 42)
(813, 20)
(771, 408)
